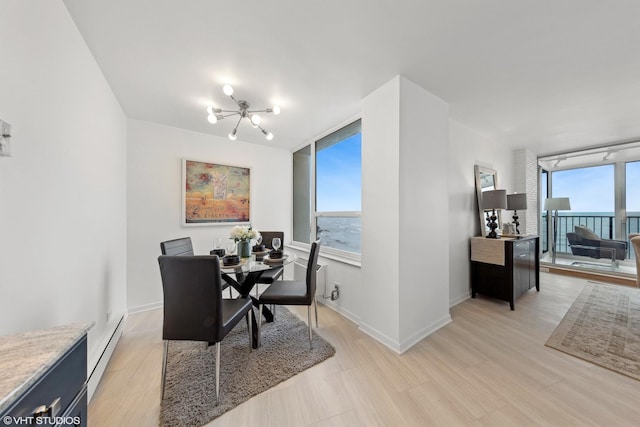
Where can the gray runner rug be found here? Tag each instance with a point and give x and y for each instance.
(603, 327)
(190, 390)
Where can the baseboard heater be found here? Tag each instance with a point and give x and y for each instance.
(300, 273)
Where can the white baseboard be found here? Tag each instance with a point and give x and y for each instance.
(145, 307)
(401, 347)
(457, 300)
(335, 307)
(101, 364)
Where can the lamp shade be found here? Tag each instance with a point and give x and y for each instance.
(517, 201)
(494, 199)
(557, 204)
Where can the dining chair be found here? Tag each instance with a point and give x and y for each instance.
(184, 247)
(193, 306)
(294, 292)
(270, 276)
(274, 274)
(181, 246)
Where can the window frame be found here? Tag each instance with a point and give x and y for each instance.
(328, 252)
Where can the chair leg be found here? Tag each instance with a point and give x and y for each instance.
(250, 327)
(217, 372)
(230, 292)
(315, 306)
(309, 322)
(164, 366)
(259, 322)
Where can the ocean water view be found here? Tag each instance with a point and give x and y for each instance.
(341, 233)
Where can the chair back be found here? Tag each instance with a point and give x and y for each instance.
(192, 289)
(312, 266)
(180, 246)
(267, 238)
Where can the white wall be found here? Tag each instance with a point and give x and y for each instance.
(405, 279)
(466, 149)
(154, 194)
(424, 246)
(63, 193)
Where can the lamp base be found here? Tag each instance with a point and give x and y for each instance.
(493, 225)
(515, 221)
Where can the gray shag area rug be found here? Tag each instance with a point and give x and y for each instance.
(603, 327)
(190, 390)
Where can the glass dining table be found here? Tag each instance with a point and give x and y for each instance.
(244, 276)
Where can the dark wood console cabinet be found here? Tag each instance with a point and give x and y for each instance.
(505, 268)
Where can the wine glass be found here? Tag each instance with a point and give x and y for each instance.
(259, 240)
(276, 243)
(217, 243)
(231, 247)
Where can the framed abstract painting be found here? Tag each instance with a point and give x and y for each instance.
(214, 194)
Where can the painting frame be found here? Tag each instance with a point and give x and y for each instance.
(215, 194)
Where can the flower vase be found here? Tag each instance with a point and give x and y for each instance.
(244, 248)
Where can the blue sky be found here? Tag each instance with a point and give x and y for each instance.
(592, 189)
(339, 176)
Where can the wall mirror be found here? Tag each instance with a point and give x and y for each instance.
(486, 179)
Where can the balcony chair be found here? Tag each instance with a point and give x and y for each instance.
(584, 242)
(184, 247)
(294, 292)
(193, 306)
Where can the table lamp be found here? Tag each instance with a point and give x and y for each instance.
(516, 201)
(556, 204)
(493, 199)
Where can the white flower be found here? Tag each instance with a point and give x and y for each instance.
(244, 233)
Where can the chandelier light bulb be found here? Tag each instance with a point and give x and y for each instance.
(255, 119)
(228, 90)
(276, 110)
(232, 136)
(210, 109)
(212, 118)
(269, 136)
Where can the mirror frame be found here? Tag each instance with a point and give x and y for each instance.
(479, 171)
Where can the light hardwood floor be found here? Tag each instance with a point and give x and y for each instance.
(489, 367)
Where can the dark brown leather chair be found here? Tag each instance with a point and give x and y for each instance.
(294, 292)
(180, 246)
(193, 306)
(184, 247)
(274, 274)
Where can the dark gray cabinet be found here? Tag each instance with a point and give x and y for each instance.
(56, 393)
(505, 268)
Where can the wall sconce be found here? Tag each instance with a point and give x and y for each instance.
(5, 139)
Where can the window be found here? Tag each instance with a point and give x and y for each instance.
(328, 206)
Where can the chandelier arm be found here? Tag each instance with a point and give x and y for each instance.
(257, 111)
(228, 115)
(237, 124)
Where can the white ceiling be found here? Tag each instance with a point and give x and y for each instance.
(550, 75)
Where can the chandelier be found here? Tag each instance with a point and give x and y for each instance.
(243, 111)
